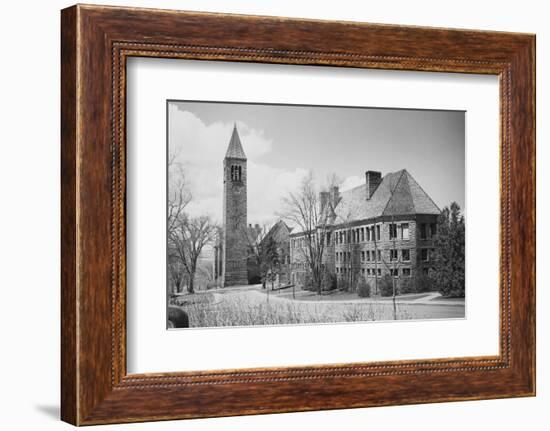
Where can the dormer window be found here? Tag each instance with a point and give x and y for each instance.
(236, 173)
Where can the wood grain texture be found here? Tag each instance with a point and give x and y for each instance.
(96, 41)
(68, 217)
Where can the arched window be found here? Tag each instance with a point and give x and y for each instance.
(236, 173)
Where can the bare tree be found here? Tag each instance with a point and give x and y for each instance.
(348, 254)
(204, 272)
(179, 197)
(179, 194)
(305, 210)
(188, 238)
(392, 265)
(173, 157)
(271, 259)
(256, 237)
(176, 271)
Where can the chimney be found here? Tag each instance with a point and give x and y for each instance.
(323, 199)
(373, 180)
(335, 195)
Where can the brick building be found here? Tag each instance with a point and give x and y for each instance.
(280, 233)
(384, 226)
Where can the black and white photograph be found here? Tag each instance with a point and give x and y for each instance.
(298, 214)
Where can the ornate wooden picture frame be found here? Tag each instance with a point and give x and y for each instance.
(96, 41)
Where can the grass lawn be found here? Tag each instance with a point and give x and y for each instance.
(251, 308)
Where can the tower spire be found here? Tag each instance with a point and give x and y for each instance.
(235, 148)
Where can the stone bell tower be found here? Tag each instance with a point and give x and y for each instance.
(235, 245)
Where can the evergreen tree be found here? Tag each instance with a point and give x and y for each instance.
(270, 259)
(449, 272)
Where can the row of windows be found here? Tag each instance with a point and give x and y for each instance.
(426, 254)
(301, 242)
(372, 272)
(351, 236)
(376, 255)
(366, 256)
(405, 255)
(371, 233)
(362, 234)
(397, 231)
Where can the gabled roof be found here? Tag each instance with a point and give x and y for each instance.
(398, 194)
(278, 230)
(235, 149)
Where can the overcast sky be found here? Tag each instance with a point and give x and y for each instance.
(282, 143)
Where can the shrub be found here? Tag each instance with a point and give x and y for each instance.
(363, 288)
(328, 282)
(385, 285)
(417, 283)
(254, 279)
(424, 283)
(452, 285)
(308, 282)
(213, 284)
(343, 284)
(408, 285)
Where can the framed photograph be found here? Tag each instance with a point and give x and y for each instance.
(267, 215)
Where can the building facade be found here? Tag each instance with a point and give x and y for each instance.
(384, 226)
(279, 233)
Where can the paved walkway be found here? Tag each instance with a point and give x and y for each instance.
(257, 292)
